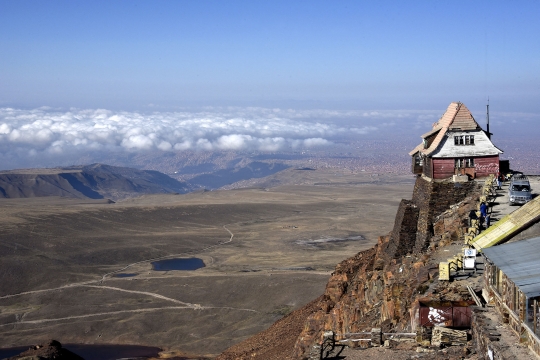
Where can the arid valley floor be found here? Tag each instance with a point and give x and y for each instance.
(267, 251)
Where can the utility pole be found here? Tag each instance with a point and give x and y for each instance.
(487, 118)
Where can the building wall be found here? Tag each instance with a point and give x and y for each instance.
(427, 167)
(482, 146)
(403, 235)
(433, 198)
(486, 165)
(443, 168)
(511, 303)
(416, 169)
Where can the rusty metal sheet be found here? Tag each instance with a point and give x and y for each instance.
(453, 316)
(461, 317)
(435, 316)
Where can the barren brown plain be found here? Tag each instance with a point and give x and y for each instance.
(267, 252)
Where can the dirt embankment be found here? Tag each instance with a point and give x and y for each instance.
(378, 287)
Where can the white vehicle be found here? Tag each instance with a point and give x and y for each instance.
(519, 191)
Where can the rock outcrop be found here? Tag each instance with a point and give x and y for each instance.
(382, 287)
(274, 343)
(48, 351)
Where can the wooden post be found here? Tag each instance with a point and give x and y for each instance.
(376, 336)
(534, 315)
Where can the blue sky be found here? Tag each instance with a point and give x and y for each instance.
(142, 55)
(81, 77)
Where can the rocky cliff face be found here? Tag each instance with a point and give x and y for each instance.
(381, 287)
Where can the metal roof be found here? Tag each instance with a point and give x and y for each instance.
(520, 261)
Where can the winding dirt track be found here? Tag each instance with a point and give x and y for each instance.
(169, 256)
(145, 293)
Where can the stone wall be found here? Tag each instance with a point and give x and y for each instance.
(403, 236)
(414, 224)
(486, 337)
(433, 198)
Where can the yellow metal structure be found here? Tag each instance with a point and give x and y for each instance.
(508, 225)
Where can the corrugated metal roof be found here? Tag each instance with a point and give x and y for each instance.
(520, 261)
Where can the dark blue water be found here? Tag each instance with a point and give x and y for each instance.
(96, 352)
(124, 275)
(178, 264)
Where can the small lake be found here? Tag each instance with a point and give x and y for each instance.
(125, 275)
(178, 264)
(96, 352)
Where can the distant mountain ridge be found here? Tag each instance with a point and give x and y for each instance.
(223, 177)
(95, 181)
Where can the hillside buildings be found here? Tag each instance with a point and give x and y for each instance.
(456, 145)
(512, 284)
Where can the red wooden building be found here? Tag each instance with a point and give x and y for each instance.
(456, 145)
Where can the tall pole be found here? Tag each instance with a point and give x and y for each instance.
(487, 118)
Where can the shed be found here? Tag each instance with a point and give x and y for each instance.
(520, 262)
(512, 276)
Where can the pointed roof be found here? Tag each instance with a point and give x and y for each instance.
(456, 117)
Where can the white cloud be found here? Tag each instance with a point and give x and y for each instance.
(141, 142)
(165, 146)
(233, 142)
(4, 129)
(48, 131)
(204, 144)
(315, 142)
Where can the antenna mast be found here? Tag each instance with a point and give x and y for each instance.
(487, 118)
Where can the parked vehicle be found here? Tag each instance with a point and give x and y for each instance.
(519, 191)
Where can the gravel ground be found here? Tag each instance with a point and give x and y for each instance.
(381, 353)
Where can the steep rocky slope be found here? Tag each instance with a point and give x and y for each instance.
(383, 286)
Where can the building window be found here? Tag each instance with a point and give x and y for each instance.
(464, 163)
(464, 140)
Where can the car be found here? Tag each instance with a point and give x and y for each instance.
(519, 191)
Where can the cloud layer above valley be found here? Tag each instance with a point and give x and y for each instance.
(29, 135)
(43, 130)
